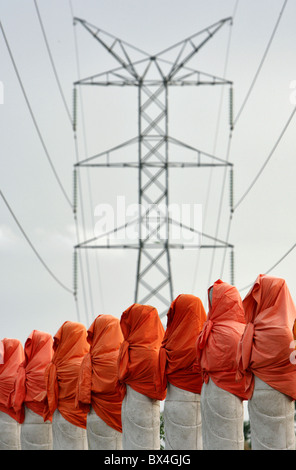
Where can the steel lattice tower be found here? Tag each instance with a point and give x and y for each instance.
(153, 76)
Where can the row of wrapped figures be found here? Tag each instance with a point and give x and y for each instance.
(101, 388)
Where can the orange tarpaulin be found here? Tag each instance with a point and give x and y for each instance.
(267, 343)
(138, 361)
(13, 352)
(218, 341)
(185, 319)
(30, 375)
(98, 372)
(61, 375)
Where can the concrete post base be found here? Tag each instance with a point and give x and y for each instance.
(9, 433)
(140, 421)
(100, 436)
(67, 436)
(271, 418)
(35, 433)
(182, 420)
(222, 419)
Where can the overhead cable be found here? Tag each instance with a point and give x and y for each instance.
(267, 159)
(237, 117)
(34, 119)
(77, 160)
(272, 267)
(214, 150)
(32, 246)
(52, 62)
(261, 62)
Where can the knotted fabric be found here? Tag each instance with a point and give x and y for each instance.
(13, 356)
(138, 360)
(70, 346)
(97, 382)
(185, 320)
(30, 375)
(218, 341)
(267, 345)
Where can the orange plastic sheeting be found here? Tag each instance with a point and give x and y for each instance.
(70, 346)
(30, 380)
(185, 319)
(266, 348)
(218, 341)
(13, 357)
(138, 361)
(97, 383)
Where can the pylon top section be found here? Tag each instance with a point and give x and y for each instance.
(168, 66)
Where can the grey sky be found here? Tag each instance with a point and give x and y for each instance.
(263, 226)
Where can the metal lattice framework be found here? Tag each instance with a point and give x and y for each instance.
(153, 75)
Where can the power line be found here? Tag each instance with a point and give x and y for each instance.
(281, 259)
(246, 98)
(261, 63)
(272, 267)
(34, 119)
(214, 149)
(32, 246)
(52, 62)
(77, 160)
(267, 159)
(220, 203)
(278, 140)
(75, 143)
(255, 179)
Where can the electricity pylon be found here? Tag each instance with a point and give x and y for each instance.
(153, 75)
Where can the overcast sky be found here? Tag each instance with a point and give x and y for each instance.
(263, 225)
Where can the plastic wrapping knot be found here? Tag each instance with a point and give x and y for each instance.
(245, 350)
(18, 397)
(204, 334)
(162, 367)
(84, 382)
(52, 387)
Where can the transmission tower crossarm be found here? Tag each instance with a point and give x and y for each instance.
(201, 158)
(115, 77)
(106, 153)
(110, 43)
(180, 62)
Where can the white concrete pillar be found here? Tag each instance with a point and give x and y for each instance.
(35, 433)
(140, 417)
(100, 436)
(271, 418)
(222, 419)
(67, 436)
(9, 433)
(182, 420)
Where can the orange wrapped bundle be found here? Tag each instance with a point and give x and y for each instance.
(12, 355)
(268, 342)
(185, 320)
(97, 382)
(218, 341)
(138, 361)
(30, 375)
(61, 375)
